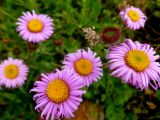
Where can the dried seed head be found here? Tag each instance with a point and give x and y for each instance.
(91, 36)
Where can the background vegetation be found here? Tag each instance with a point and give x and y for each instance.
(110, 98)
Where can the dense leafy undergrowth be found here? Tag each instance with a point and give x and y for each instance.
(118, 100)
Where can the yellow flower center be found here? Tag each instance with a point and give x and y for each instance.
(137, 60)
(11, 71)
(83, 66)
(35, 25)
(134, 15)
(57, 91)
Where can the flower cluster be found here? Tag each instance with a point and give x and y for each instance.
(58, 94)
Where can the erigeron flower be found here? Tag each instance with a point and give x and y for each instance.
(35, 27)
(85, 65)
(135, 63)
(13, 73)
(133, 17)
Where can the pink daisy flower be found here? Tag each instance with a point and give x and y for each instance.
(58, 94)
(133, 17)
(13, 73)
(135, 63)
(85, 65)
(35, 27)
